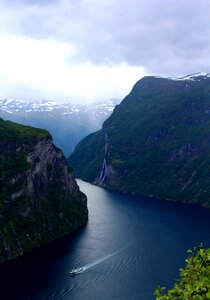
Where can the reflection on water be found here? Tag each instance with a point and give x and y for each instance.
(129, 247)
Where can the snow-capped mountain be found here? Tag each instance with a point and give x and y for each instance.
(192, 77)
(68, 123)
(195, 77)
(15, 106)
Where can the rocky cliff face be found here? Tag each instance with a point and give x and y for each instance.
(39, 198)
(155, 143)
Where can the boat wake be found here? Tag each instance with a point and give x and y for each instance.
(94, 263)
(76, 271)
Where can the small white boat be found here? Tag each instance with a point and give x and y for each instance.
(76, 271)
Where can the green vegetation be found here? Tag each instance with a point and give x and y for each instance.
(15, 142)
(157, 142)
(89, 153)
(14, 131)
(36, 203)
(194, 283)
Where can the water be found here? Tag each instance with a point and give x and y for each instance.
(129, 247)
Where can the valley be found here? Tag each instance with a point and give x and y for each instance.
(68, 123)
(104, 150)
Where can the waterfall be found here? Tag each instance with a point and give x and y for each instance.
(104, 165)
(103, 172)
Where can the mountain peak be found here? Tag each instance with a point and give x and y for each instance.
(195, 77)
(191, 77)
(155, 143)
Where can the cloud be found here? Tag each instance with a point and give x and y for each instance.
(148, 37)
(37, 69)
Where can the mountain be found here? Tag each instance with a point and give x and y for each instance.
(156, 142)
(39, 198)
(67, 123)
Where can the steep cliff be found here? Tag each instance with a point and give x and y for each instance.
(155, 143)
(39, 198)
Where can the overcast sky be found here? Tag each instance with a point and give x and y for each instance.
(90, 50)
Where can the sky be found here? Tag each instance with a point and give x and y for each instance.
(90, 50)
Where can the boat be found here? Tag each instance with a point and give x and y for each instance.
(76, 271)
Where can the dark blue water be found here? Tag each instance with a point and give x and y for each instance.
(129, 247)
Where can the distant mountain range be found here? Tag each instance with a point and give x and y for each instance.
(68, 123)
(156, 143)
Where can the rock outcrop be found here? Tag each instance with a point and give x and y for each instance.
(39, 198)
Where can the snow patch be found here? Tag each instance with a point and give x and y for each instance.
(19, 106)
(192, 77)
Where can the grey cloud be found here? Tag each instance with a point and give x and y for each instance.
(164, 37)
(27, 2)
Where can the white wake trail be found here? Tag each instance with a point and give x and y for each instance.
(81, 269)
(98, 261)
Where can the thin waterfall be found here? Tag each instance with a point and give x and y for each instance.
(104, 165)
(103, 172)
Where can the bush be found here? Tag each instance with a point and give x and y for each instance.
(195, 278)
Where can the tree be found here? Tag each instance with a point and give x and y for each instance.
(194, 282)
